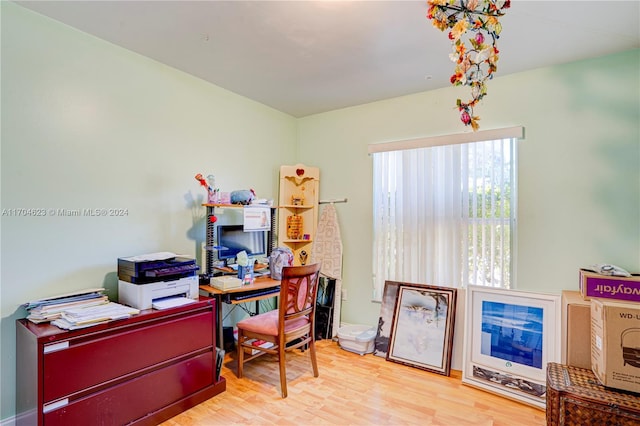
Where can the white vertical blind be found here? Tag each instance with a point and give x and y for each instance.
(444, 215)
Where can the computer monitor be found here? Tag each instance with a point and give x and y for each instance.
(232, 239)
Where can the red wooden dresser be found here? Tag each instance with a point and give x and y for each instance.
(142, 370)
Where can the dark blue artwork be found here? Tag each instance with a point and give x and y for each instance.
(512, 333)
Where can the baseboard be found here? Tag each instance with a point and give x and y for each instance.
(9, 421)
(455, 374)
(28, 417)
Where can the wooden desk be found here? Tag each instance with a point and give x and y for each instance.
(260, 283)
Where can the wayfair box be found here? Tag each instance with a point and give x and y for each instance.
(609, 287)
(615, 343)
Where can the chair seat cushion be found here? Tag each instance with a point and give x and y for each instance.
(267, 323)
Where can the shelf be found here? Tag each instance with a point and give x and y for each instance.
(223, 205)
(299, 188)
(293, 206)
(238, 206)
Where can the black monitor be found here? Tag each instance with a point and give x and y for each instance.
(232, 239)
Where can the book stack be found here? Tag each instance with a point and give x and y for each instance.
(258, 343)
(80, 309)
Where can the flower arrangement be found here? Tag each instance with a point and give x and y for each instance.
(474, 29)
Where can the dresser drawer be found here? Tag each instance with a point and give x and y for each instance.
(133, 400)
(88, 361)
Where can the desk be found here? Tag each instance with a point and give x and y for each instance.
(260, 283)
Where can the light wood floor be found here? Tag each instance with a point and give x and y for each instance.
(351, 390)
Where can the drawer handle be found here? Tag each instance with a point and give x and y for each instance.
(56, 347)
(54, 405)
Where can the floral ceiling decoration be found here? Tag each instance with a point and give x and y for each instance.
(473, 30)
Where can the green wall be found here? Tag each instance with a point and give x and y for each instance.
(86, 124)
(579, 168)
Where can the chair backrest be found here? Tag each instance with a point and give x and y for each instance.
(298, 291)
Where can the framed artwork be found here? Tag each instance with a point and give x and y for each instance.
(422, 327)
(510, 336)
(389, 295)
(383, 333)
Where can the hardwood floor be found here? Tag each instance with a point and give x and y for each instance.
(351, 390)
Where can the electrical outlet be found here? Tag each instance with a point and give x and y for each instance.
(344, 294)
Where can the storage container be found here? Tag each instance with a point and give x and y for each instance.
(357, 338)
(574, 397)
(615, 343)
(609, 286)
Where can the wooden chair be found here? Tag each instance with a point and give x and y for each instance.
(290, 326)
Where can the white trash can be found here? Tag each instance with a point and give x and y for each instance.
(357, 338)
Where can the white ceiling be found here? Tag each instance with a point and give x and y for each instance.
(306, 57)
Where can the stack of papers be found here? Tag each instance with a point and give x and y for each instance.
(49, 309)
(75, 318)
(171, 302)
(80, 309)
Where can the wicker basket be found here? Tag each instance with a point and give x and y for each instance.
(575, 397)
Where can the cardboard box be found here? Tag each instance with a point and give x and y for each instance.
(576, 327)
(609, 287)
(615, 343)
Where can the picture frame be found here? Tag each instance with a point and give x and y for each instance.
(422, 327)
(383, 332)
(510, 337)
(388, 304)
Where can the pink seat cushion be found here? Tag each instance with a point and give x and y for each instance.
(267, 323)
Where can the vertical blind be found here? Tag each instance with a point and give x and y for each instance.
(445, 215)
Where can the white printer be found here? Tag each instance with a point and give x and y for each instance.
(144, 279)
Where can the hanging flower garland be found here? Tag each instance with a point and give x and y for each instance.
(474, 29)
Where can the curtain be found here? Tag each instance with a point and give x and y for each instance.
(440, 215)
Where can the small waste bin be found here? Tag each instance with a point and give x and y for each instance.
(357, 338)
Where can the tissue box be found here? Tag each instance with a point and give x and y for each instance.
(245, 271)
(226, 282)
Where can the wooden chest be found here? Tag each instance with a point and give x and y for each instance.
(576, 397)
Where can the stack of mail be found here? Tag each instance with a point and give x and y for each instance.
(51, 308)
(87, 316)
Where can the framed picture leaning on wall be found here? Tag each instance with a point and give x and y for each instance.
(386, 317)
(510, 336)
(422, 327)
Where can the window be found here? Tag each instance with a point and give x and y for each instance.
(445, 215)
